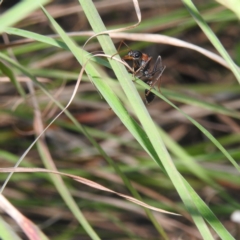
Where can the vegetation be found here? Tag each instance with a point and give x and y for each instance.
(119, 168)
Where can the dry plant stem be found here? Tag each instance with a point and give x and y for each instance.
(163, 158)
(144, 190)
(49, 163)
(51, 108)
(158, 38)
(155, 38)
(88, 183)
(25, 79)
(32, 232)
(70, 101)
(42, 132)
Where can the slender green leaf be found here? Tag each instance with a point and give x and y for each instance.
(24, 7)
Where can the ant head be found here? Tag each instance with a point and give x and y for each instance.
(133, 55)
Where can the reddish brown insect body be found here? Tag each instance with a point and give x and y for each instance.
(141, 67)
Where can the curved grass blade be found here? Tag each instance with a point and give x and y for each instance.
(212, 37)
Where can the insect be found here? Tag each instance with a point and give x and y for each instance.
(141, 66)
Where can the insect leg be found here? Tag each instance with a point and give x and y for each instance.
(149, 96)
(119, 47)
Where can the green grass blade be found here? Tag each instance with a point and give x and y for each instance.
(188, 161)
(215, 108)
(212, 37)
(209, 215)
(234, 5)
(143, 116)
(110, 95)
(8, 72)
(56, 179)
(128, 121)
(201, 128)
(120, 111)
(12, 16)
(6, 231)
(37, 37)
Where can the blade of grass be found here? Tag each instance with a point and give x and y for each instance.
(143, 116)
(89, 183)
(186, 159)
(212, 37)
(112, 96)
(234, 5)
(173, 95)
(155, 38)
(72, 47)
(137, 132)
(209, 215)
(201, 128)
(64, 192)
(124, 116)
(213, 107)
(95, 20)
(8, 72)
(18, 12)
(6, 231)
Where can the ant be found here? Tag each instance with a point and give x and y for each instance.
(141, 64)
